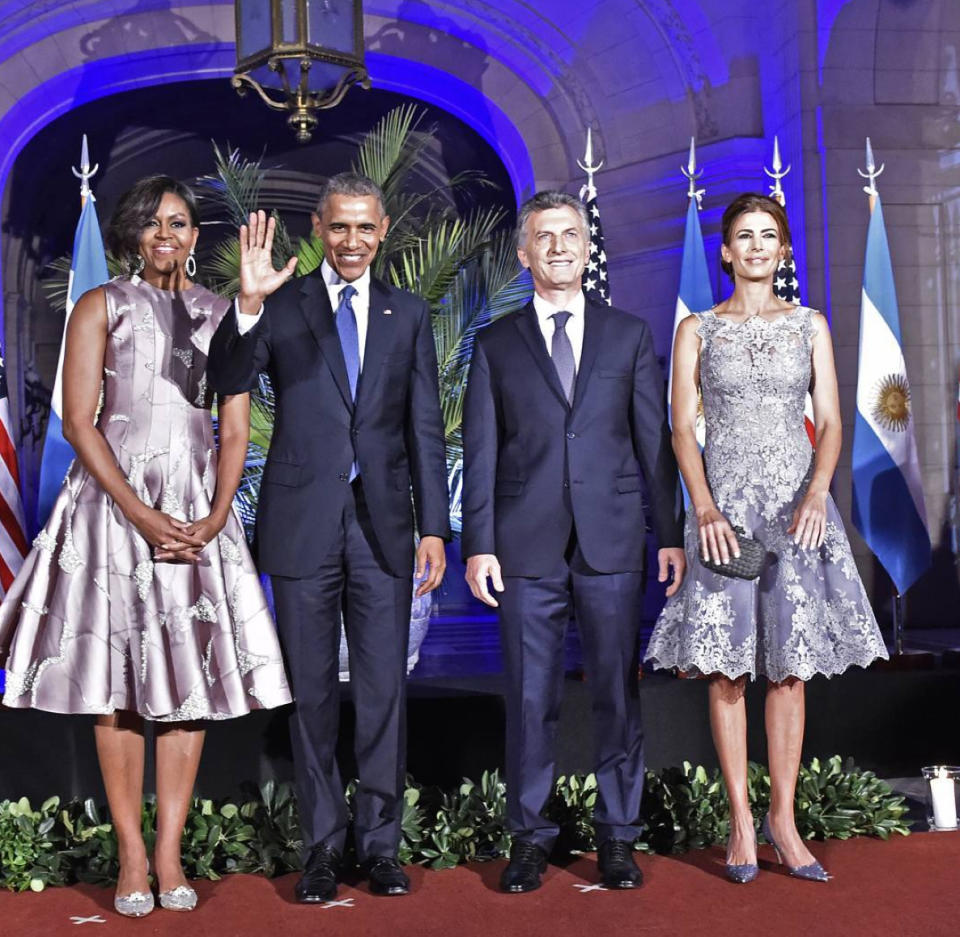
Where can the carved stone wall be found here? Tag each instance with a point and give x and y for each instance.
(646, 75)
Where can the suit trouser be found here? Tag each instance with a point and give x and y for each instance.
(534, 614)
(353, 577)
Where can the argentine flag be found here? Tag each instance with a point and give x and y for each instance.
(88, 270)
(888, 507)
(695, 293)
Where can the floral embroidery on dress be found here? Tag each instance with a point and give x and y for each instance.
(808, 612)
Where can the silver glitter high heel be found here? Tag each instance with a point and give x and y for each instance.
(181, 898)
(136, 903)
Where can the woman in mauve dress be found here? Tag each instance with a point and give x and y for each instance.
(139, 600)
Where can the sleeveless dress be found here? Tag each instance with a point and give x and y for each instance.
(91, 624)
(808, 612)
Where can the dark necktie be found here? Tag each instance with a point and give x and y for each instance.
(350, 344)
(562, 353)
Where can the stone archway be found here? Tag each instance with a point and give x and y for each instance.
(644, 74)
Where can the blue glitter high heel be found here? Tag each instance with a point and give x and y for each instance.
(813, 872)
(741, 874)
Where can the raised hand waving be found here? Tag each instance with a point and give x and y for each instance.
(258, 278)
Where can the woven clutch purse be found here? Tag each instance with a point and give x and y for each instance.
(745, 566)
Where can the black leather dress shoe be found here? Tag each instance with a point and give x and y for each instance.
(319, 880)
(617, 868)
(527, 863)
(386, 877)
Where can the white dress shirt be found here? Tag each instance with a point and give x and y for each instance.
(360, 303)
(574, 328)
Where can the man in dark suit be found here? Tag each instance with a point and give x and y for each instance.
(353, 366)
(564, 412)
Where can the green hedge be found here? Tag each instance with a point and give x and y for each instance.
(683, 808)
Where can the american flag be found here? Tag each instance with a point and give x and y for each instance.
(786, 286)
(13, 538)
(595, 282)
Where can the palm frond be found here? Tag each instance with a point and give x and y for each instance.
(403, 207)
(235, 185)
(262, 409)
(310, 254)
(56, 281)
(383, 146)
(491, 285)
(430, 267)
(261, 415)
(234, 189)
(223, 268)
(282, 242)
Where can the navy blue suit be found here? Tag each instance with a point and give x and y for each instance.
(335, 547)
(556, 493)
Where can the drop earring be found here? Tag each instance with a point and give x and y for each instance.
(136, 268)
(191, 265)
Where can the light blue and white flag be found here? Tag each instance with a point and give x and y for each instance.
(695, 293)
(88, 270)
(888, 507)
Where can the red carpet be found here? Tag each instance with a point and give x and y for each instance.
(908, 887)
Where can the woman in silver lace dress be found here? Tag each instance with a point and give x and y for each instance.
(139, 599)
(753, 358)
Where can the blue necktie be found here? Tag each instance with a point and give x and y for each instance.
(350, 345)
(349, 337)
(562, 353)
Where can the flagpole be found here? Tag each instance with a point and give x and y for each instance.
(873, 194)
(902, 659)
(695, 293)
(85, 173)
(778, 173)
(589, 190)
(595, 280)
(88, 269)
(692, 174)
(871, 174)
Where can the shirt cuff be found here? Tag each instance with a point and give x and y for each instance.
(245, 323)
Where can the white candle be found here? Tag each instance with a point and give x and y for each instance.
(944, 801)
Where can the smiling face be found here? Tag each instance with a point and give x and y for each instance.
(554, 249)
(755, 247)
(351, 228)
(166, 239)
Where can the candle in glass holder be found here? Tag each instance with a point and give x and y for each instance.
(943, 800)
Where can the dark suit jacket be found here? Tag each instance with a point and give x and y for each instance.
(395, 431)
(534, 466)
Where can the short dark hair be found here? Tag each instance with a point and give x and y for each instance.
(135, 209)
(544, 201)
(350, 183)
(754, 201)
